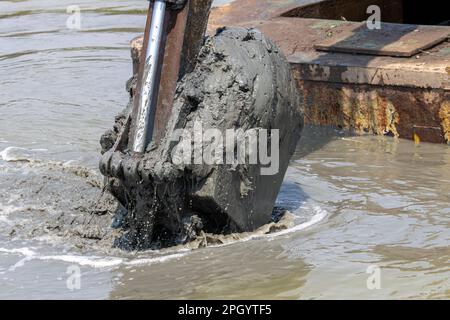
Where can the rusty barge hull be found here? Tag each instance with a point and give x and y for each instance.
(406, 97)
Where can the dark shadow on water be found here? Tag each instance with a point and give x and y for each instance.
(316, 137)
(290, 198)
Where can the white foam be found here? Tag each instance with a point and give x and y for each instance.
(149, 261)
(23, 251)
(109, 262)
(320, 215)
(91, 261)
(15, 154)
(12, 154)
(27, 252)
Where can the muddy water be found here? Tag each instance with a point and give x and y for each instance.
(360, 203)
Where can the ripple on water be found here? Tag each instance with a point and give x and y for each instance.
(357, 201)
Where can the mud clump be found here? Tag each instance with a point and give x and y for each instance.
(241, 81)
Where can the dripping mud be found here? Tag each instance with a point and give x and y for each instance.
(241, 81)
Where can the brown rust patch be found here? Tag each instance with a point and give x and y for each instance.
(388, 119)
(136, 49)
(397, 112)
(444, 115)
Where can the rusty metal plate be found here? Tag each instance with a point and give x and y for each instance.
(399, 40)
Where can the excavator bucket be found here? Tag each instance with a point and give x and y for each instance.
(238, 81)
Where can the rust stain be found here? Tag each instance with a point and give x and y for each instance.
(444, 115)
(378, 110)
(416, 138)
(393, 119)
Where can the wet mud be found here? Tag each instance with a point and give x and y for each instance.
(46, 210)
(241, 81)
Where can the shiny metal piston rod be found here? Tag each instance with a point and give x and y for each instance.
(147, 105)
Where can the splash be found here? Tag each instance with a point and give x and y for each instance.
(16, 154)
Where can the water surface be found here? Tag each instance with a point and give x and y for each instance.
(359, 202)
